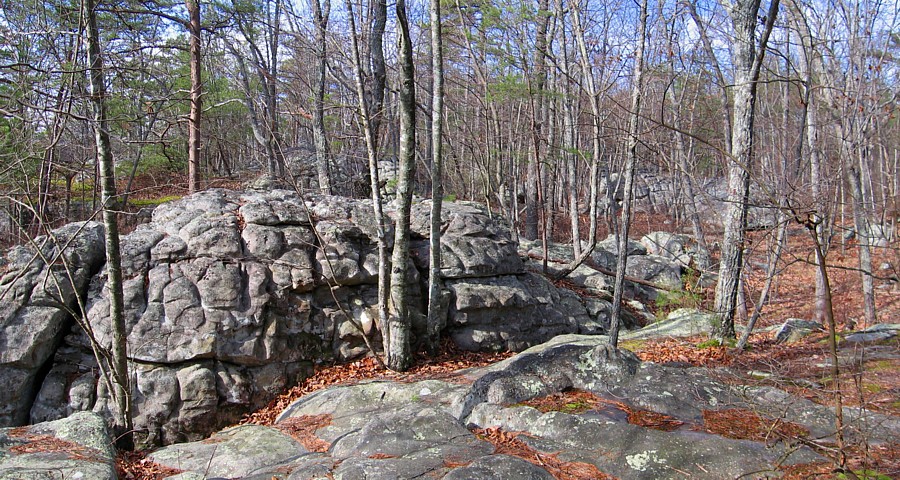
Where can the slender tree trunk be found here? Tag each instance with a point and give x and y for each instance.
(193, 8)
(534, 202)
(811, 138)
(832, 345)
(569, 143)
(399, 355)
(747, 63)
(120, 389)
(771, 271)
(630, 160)
(717, 70)
(376, 51)
(435, 323)
(863, 233)
(685, 151)
(320, 139)
(377, 205)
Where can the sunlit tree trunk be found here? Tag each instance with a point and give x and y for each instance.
(193, 8)
(630, 160)
(377, 205)
(320, 139)
(120, 388)
(534, 206)
(435, 323)
(399, 354)
(747, 62)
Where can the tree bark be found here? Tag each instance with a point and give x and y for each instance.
(534, 205)
(193, 8)
(631, 159)
(863, 234)
(376, 52)
(120, 389)
(747, 63)
(377, 202)
(320, 139)
(399, 354)
(435, 281)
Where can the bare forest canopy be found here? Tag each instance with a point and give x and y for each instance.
(520, 78)
(796, 98)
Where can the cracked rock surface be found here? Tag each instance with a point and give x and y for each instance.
(230, 297)
(429, 428)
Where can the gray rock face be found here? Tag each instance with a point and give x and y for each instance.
(41, 284)
(473, 245)
(512, 312)
(794, 329)
(664, 273)
(233, 453)
(426, 429)
(675, 247)
(77, 447)
(232, 296)
(875, 333)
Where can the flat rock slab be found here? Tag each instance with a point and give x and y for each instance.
(435, 428)
(233, 453)
(874, 334)
(77, 447)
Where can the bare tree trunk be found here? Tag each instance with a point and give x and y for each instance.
(121, 390)
(569, 143)
(811, 137)
(832, 344)
(534, 201)
(685, 151)
(435, 281)
(717, 69)
(376, 51)
(377, 205)
(771, 271)
(747, 63)
(631, 159)
(320, 139)
(863, 233)
(193, 8)
(399, 355)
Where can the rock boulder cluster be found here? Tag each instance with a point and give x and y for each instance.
(232, 296)
(439, 428)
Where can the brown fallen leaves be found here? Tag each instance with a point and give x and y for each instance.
(443, 366)
(303, 429)
(743, 424)
(49, 443)
(579, 401)
(684, 350)
(136, 466)
(875, 460)
(508, 443)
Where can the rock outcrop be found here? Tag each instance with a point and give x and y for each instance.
(232, 296)
(631, 420)
(77, 447)
(432, 428)
(41, 285)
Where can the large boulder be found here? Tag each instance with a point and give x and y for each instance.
(77, 447)
(646, 274)
(512, 312)
(232, 296)
(473, 243)
(41, 284)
